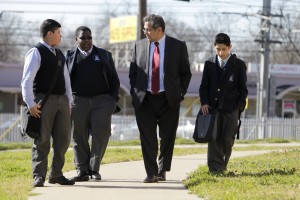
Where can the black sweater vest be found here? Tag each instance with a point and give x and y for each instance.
(44, 76)
(88, 77)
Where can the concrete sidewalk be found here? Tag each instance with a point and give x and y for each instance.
(123, 181)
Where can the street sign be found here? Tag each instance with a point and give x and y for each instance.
(123, 29)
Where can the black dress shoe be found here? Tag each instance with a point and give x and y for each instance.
(151, 179)
(61, 180)
(81, 176)
(38, 181)
(95, 176)
(161, 176)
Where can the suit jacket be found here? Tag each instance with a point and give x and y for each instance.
(177, 73)
(109, 70)
(227, 92)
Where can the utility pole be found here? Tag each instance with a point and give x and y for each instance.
(142, 14)
(264, 62)
(264, 96)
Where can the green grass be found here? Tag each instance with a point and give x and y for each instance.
(21, 145)
(270, 176)
(16, 175)
(258, 141)
(179, 141)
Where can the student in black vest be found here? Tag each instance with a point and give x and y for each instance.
(224, 88)
(95, 86)
(41, 63)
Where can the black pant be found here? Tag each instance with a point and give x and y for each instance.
(155, 112)
(219, 151)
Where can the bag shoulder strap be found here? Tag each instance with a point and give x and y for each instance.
(54, 79)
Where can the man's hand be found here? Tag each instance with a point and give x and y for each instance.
(35, 111)
(205, 109)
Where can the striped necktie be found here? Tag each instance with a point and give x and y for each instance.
(53, 50)
(222, 65)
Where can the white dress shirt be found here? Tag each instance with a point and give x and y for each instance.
(224, 60)
(31, 67)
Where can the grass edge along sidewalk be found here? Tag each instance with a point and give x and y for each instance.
(269, 176)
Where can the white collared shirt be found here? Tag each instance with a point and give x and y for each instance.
(225, 60)
(84, 53)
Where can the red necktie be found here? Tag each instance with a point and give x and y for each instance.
(155, 69)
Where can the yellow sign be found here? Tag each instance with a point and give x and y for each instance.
(123, 29)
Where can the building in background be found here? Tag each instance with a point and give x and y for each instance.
(285, 88)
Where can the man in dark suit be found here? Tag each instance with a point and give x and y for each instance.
(223, 87)
(159, 77)
(95, 86)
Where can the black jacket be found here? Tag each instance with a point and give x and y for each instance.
(177, 73)
(227, 92)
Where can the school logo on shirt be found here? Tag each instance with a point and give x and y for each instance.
(231, 78)
(96, 58)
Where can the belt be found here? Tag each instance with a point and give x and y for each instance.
(155, 94)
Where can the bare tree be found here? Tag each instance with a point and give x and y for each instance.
(10, 36)
(288, 52)
(17, 36)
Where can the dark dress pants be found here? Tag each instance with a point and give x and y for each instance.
(56, 123)
(155, 112)
(219, 151)
(91, 116)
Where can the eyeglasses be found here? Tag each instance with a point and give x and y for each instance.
(148, 30)
(85, 37)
